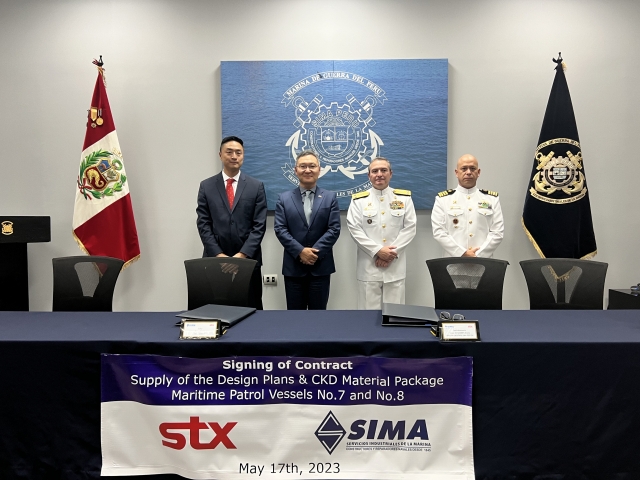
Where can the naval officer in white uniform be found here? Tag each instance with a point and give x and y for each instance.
(382, 221)
(467, 221)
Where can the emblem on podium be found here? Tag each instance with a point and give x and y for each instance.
(7, 227)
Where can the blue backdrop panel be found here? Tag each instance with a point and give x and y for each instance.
(348, 112)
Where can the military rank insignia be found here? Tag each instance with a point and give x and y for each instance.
(446, 192)
(364, 194)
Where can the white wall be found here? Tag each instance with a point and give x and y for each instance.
(163, 71)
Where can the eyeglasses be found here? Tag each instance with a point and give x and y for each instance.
(307, 167)
(448, 316)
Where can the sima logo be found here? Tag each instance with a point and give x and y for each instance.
(330, 432)
(177, 440)
(388, 430)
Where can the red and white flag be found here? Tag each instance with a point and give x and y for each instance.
(103, 222)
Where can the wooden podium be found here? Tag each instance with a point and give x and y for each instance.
(15, 233)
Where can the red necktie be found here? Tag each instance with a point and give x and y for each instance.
(230, 195)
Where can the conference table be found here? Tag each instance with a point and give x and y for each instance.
(555, 393)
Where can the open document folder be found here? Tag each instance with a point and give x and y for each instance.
(228, 315)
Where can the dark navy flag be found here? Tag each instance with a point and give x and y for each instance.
(557, 213)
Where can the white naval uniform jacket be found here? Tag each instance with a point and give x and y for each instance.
(382, 218)
(462, 219)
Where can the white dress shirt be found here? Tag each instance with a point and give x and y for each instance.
(225, 177)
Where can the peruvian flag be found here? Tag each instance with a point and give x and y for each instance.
(103, 222)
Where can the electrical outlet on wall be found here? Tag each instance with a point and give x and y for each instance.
(270, 279)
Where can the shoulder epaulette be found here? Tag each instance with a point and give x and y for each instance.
(446, 192)
(489, 192)
(355, 196)
(399, 191)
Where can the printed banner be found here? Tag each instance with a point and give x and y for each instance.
(348, 112)
(283, 417)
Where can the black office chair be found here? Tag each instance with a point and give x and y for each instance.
(219, 281)
(564, 283)
(84, 283)
(467, 283)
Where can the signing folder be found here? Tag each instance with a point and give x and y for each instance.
(228, 315)
(394, 314)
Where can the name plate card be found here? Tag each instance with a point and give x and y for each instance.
(460, 331)
(200, 329)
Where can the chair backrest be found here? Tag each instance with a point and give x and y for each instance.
(467, 282)
(84, 283)
(219, 281)
(557, 283)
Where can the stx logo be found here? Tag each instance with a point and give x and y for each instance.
(178, 440)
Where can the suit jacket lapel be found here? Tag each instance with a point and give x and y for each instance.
(223, 191)
(317, 201)
(242, 183)
(296, 196)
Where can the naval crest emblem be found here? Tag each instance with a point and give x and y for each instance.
(559, 179)
(340, 132)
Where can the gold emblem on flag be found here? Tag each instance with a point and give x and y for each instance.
(101, 174)
(559, 176)
(7, 227)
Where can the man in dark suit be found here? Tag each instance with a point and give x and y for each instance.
(307, 223)
(232, 213)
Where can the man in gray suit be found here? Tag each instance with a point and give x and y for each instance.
(232, 213)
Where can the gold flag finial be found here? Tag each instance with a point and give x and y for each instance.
(101, 69)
